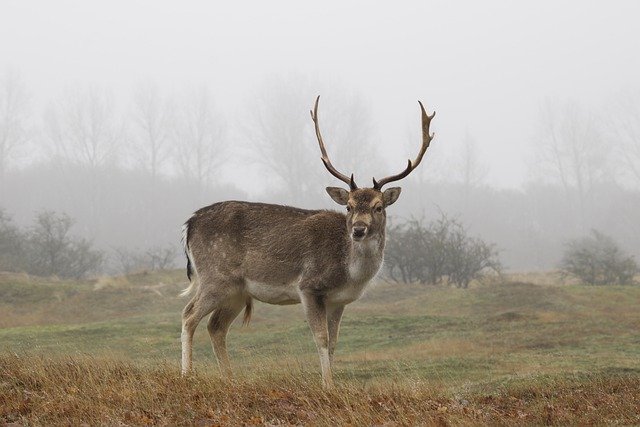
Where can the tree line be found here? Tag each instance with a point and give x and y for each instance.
(131, 171)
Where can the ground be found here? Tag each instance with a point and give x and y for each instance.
(526, 349)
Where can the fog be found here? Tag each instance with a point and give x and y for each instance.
(130, 115)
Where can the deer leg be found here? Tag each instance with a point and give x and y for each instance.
(316, 312)
(218, 326)
(334, 315)
(212, 292)
(192, 314)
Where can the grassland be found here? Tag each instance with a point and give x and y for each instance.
(527, 350)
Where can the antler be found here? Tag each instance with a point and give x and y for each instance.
(426, 140)
(325, 156)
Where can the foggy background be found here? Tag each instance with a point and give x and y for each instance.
(130, 115)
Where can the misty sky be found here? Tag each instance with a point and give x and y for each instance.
(486, 67)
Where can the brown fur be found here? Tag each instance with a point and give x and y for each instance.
(293, 255)
(285, 255)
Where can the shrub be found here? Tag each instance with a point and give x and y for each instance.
(52, 251)
(11, 244)
(439, 251)
(155, 258)
(597, 260)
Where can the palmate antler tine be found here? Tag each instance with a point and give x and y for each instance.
(411, 165)
(325, 157)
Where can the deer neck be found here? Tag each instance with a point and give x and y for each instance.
(365, 258)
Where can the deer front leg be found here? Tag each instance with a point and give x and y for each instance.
(334, 315)
(316, 311)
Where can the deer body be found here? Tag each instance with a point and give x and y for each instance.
(239, 251)
(274, 252)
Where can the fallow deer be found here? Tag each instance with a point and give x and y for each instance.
(239, 251)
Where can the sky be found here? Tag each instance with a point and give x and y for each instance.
(486, 67)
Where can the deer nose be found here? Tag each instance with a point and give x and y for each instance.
(359, 230)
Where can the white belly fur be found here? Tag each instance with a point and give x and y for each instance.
(347, 293)
(274, 294)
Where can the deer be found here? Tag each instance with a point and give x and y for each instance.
(239, 251)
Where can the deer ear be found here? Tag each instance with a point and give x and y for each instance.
(339, 195)
(390, 195)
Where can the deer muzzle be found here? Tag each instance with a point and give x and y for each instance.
(359, 231)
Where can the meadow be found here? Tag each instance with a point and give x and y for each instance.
(520, 349)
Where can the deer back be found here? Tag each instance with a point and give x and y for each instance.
(268, 243)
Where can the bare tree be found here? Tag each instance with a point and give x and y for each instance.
(570, 151)
(625, 127)
(198, 139)
(277, 130)
(84, 134)
(151, 127)
(84, 129)
(281, 134)
(13, 118)
(472, 171)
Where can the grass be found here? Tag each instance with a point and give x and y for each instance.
(73, 390)
(107, 352)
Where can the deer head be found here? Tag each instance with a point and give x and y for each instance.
(366, 207)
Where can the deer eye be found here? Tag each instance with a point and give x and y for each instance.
(348, 208)
(378, 209)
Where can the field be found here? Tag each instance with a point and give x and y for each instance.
(523, 350)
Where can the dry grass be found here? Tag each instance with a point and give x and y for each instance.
(73, 391)
(30, 300)
(501, 353)
(444, 347)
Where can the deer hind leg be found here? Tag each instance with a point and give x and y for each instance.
(316, 312)
(192, 314)
(218, 326)
(208, 295)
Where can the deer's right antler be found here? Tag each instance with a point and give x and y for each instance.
(412, 164)
(325, 157)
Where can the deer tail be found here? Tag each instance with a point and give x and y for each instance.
(190, 263)
(247, 312)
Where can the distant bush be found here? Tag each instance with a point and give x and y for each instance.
(439, 251)
(155, 258)
(11, 243)
(51, 250)
(597, 260)
(46, 248)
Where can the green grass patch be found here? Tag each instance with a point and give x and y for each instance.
(485, 333)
